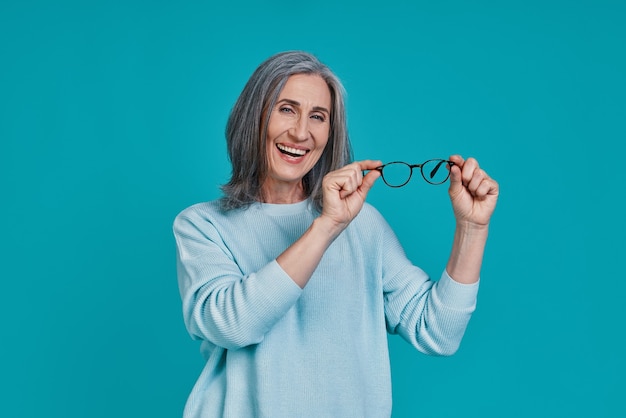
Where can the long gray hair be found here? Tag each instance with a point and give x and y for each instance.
(246, 130)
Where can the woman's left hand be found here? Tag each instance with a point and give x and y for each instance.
(473, 193)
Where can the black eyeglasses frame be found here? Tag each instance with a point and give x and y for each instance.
(439, 163)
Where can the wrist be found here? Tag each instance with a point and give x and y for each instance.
(471, 228)
(467, 252)
(328, 227)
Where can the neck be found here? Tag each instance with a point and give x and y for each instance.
(283, 193)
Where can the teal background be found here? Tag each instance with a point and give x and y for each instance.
(111, 121)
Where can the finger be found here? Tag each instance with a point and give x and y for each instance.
(372, 175)
(366, 165)
(347, 187)
(477, 178)
(349, 178)
(468, 170)
(483, 188)
(455, 168)
(457, 160)
(456, 180)
(488, 187)
(368, 181)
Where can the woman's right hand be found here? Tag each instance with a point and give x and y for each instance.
(345, 190)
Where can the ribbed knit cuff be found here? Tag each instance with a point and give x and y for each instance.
(455, 295)
(278, 288)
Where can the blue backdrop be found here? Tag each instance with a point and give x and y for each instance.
(111, 121)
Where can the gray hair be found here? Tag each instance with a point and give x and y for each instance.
(246, 129)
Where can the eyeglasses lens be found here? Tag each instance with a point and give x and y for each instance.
(396, 174)
(435, 171)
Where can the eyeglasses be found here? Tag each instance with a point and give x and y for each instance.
(398, 173)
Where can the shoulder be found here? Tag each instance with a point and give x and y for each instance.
(201, 216)
(212, 215)
(198, 212)
(371, 220)
(370, 214)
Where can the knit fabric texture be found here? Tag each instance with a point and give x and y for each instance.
(275, 350)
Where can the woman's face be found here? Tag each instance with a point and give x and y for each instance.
(297, 134)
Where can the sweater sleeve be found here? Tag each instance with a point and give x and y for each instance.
(430, 315)
(220, 303)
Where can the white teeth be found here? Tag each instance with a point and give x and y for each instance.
(291, 150)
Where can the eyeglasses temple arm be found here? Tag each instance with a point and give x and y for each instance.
(434, 170)
(438, 166)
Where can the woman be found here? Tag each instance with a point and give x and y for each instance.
(292, 282)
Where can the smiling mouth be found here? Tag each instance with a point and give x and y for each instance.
(292, 152)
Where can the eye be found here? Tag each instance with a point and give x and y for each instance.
(285, 109)
(318, 117)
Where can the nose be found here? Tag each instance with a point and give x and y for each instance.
(300, 130)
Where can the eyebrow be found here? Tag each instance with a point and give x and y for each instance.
(296, 103)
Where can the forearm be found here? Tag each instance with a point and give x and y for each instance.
(300, 260)
(467, 252)
(234, 313)
(344, 194)
(230, 303)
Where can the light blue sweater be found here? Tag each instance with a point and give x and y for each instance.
(275, 350)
